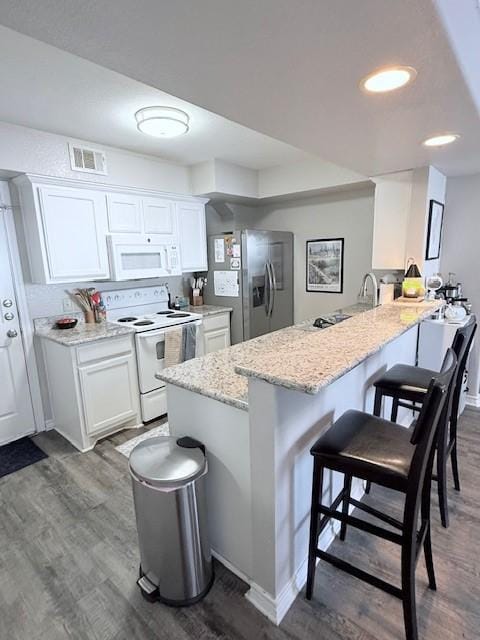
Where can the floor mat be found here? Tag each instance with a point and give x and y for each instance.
(18, 455)
(127, 447)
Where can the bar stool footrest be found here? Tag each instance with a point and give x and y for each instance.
(360, 574)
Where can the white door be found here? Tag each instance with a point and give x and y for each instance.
(159, 217)
(193, 236)
(216, 340)
(75, 231)
(124, 213)
(16, 413)
(110, 392)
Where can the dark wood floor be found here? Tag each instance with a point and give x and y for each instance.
(69, 561)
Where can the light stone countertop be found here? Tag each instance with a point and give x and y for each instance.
(213, 376)
(209, 309)
(310, 361)
(81, 334)
(297, 357)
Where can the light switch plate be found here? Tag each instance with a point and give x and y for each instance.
(67, 305)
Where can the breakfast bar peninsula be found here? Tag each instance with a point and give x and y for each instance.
(258, 407)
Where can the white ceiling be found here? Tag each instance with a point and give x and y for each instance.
(49, 89)
(289, 69)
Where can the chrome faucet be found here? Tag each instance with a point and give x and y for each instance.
(363, 288)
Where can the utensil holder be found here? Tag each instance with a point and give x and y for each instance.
(89, 317)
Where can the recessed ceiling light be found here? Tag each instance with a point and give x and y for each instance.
(388, 79)
(162, 122)
(440, 141)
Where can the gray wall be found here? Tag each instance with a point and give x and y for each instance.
(346, 215)
(460, 249)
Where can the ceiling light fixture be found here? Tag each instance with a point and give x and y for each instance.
(441, 140)
(388, 79)
(162, 122)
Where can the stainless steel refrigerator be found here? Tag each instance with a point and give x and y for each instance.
(252, 272)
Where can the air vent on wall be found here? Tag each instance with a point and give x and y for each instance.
(87, 160)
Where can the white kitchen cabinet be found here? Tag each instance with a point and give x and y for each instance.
(216, 332)
(93, 388)
(159, 217)
(65, 231)
(124, 213)
(193, 236)
(108, 393)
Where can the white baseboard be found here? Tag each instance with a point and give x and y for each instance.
(49, 425)
(276, 608)
(473, 400)
(231, 567)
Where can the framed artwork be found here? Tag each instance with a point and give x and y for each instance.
(325, 265)
(434, 231)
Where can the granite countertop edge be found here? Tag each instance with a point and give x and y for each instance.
(188, 386)
(81, 334)
(207, 310)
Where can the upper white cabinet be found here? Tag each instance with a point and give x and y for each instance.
(65, 230)
(159, 217)
(392, 206)
(193, 236)
(124, 213)
(66, 225)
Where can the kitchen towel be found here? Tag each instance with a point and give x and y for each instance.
(173, 346)
(189, 341)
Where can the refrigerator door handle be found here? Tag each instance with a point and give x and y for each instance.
(273, 286)
(268, 291)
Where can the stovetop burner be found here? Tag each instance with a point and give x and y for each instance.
(164, 313)
(143, 323)
(178, 315)
(127, 319)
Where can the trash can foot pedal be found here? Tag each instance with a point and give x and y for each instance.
(149, 590)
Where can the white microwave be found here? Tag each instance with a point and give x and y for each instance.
(140, 256)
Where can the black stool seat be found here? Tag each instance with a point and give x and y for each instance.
(406, 379)
(372, 448)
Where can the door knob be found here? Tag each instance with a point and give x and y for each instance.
(7, 303)
(11, 333)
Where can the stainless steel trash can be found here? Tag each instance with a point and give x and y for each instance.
(168, 478)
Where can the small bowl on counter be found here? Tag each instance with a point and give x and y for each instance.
(66, 323)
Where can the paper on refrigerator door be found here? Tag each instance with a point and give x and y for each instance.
(219, 250)
(225, 283)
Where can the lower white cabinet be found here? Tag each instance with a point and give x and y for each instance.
(93, 388)
(108, 393)
(216, 332)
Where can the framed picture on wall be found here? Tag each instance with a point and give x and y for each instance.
(325, 265)
(434, 231)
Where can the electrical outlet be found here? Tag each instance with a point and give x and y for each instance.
(67, 305)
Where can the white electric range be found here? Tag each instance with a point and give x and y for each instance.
(146, 311)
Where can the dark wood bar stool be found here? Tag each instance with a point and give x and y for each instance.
(407, 386)
(360, 445)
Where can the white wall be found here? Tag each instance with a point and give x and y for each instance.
(460, 250)
(300, 178)
(428, 184)
(304, 176)
(346, 215)
(24, 150)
